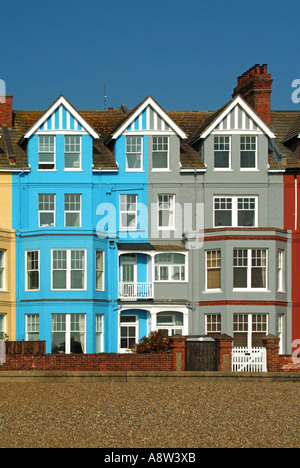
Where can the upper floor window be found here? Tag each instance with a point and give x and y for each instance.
(2, 270)
(248, 152)
(72, 153)
(32, 280)
(160, 153)
(134, 153)
(213, 269)
(72, 210)
(250, 268)
(222, 152)
(235, 211)
(281, 271)
(128, 211)
(170, 267)
(99, 270)
(46, 210)
(69, 269)
(166, 211)
(46, 153)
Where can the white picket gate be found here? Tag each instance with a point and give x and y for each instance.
(249, 360)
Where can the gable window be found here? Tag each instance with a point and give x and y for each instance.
(166, 211)
(160, 153)
(128, 211)
(222, 152)
(2, 270)
(250, 268)
(235, 211)
(32, 282)
(46, 153)
(248, 152)
(170, 267)
(72, 153)
(68, 269)
(134, 154)
(213, 269)
(72, 210)
(46, 210)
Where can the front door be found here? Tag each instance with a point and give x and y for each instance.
(128, 332)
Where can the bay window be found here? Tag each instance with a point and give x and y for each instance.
(250, 268)
(68, 333)
(68, 269)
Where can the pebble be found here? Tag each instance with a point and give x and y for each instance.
(150, 415)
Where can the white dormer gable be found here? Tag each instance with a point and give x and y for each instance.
(150, 118)
(238, 117)
(61, 117)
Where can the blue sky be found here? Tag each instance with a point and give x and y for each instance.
(187, 55)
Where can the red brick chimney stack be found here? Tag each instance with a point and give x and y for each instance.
(255, 86)
(6, 114)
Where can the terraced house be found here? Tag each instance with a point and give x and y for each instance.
(123, 222)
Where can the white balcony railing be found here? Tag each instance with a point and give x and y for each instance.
(135, 291)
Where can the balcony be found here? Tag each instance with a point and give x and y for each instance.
(135, 291)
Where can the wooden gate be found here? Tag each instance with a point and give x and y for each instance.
(201, 354)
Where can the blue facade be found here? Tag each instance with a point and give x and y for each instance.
(43, 298)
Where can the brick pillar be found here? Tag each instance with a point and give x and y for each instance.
(271, 343)
(177, 345)
(225, 353)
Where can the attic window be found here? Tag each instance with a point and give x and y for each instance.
(46, 153)
(222, 152)
(248, 152)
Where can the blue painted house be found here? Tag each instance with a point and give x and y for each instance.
(66, 294)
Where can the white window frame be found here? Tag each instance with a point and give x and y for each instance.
(3, 270)
(249, 270)
(248, 169)
(129, 212)
(47, 211)
(35, 326)
(213, 321)
(234, 208)
(281, 261)
(68, 331)
(170, 268)
(28, 271)
(212, 267)
(171, 211)
(73, 211)
(69, 270)
(102, 287)
(222, 169)
(163, 169)
(170, 326)
(47, 152)
(129, 145)
(99, 333)
(73, 169)
(125, 324)
(247, 325)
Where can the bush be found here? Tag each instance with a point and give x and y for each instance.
(156, 342)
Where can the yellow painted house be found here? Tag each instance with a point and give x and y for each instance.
(7, 258)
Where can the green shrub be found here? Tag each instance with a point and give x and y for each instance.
(156, 342)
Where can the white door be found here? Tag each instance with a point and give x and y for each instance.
(129, 275)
